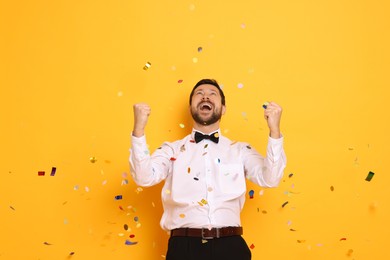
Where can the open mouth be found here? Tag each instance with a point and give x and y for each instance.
(205, 106)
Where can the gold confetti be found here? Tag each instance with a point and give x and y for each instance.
(194, 60)
(92, 159)
(181, 125)
(189, 170)
(147, 66)
(182, 215)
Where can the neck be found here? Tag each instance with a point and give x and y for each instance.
(207, 129)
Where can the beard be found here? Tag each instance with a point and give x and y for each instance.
(215, 117)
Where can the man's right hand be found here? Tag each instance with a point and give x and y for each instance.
(141, 114)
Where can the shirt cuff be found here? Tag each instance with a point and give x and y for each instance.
(275, 147)
(139, 147)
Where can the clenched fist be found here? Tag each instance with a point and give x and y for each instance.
(272, 114)
(141, 114)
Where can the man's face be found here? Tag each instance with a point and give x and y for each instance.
(206, 107)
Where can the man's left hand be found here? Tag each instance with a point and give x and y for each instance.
(272, 114)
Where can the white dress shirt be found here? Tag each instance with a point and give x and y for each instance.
(205, 182)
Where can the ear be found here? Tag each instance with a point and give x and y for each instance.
(223, 109)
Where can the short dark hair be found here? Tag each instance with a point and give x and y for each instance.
(210, 82)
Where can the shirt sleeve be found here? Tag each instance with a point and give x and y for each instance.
(266, 171)
(147, 169)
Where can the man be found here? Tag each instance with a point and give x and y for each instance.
(205, 174)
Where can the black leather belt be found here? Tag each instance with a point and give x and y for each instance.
(206, 233)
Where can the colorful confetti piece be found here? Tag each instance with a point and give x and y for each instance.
(252, 246)
(147, 65)
(200, 49)
(41, 173)
(53, 171)
(284, 204)
(369, 176)
(118, 197)
(240, 85)
(251, 194)
(129, 243)
(265, 105)
(93, 159)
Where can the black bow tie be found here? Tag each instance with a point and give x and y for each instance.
(213, 137)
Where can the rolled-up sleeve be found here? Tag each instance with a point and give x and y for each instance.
(266, 171)
(147, 169)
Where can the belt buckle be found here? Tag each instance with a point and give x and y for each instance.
(207, 238)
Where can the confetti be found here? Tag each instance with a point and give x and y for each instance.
(182, 215)
(194, 60)
(301, 241)
(129, 243)
(251, 193)
(189, 170)
(181, 125)
(290, 175)
(284, 204)
(331, 188)
(125, 226)
(240, 85)
(252, 246)
(132, 236)
(196, 179)
(41, 173)
(265, 105)
(12, 208)
(200, 49)
(136, 219)
(76, 187)
(261, 192)
(71, 253)
(180, 81)
(92, 159)
(118, 197)
(369, 176)
(47, 243)
(343, 239)
(147, 66)
(172, 159)
(53, 171)
(182, 148)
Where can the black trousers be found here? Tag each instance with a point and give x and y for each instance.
(193, 248)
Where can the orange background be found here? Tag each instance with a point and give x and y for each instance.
(71, 71)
